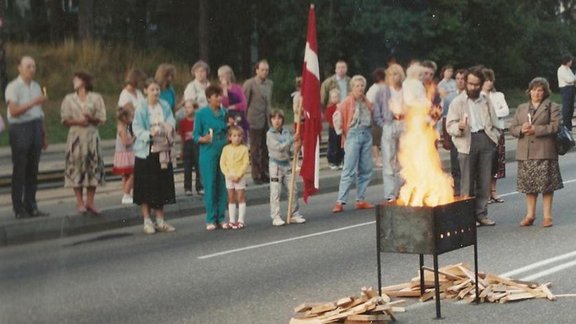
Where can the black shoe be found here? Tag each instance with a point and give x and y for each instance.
(258, 181)
(21, 215)
(38, 213)
(266, 179)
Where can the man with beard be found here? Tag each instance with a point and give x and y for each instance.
(471, 121)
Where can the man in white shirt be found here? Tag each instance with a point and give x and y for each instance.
(566, 79)
(24, 99)
(472, 121)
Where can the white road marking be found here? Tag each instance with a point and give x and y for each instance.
(550, 271)
(538, 264)
(251, 247)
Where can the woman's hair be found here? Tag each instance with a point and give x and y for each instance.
(489, 75)
(444, 68)
(122, 113)
(566, 58)
(86, 79)
(212, 90)
(150, 81)
(236, 129)
(200, 64)
(277, 113)
(539, 82)
(134, 77)
(379, 75)
(357, 78)
(162, 73)
(395, 69)
(226, 69)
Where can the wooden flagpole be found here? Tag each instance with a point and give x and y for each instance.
(294, 164)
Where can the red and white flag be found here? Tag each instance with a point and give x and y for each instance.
(312, 111)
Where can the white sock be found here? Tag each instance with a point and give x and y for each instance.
(148, 221)
(242, 212)
(232, 213)
(159, 221)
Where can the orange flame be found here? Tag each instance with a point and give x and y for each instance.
(426, 184)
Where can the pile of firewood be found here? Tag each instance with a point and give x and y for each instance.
(457, 282)
(367, 308)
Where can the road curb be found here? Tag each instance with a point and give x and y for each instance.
(31, 230)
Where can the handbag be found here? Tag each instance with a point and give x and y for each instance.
(564, 140)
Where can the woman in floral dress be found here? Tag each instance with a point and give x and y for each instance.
(83, 111)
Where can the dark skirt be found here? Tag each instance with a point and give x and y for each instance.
(152, 184)
(499, 162)
(539, 176)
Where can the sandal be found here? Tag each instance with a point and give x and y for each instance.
(527, 221)
(238, 225)
(226, 226)
(210, 227)
(494, 198)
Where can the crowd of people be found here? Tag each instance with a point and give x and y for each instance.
(225, 128)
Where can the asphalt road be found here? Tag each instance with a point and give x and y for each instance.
(259, 274)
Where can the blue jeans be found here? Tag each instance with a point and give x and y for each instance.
(390, 166)
(357, 156)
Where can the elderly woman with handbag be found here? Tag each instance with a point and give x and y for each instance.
(536, 124)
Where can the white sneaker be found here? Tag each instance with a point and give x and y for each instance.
(127, 200)
(333, 167)
(278, 221)
(149, 229)
(165, 227)
(297, 219)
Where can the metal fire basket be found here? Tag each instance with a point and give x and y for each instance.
(426, 230)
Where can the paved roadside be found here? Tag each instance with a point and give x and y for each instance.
(65, 221)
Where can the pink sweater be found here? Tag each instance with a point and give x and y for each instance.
(346, 110)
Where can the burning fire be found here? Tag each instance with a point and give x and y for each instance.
(426, 184)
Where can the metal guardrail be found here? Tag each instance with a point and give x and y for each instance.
(55, 178)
